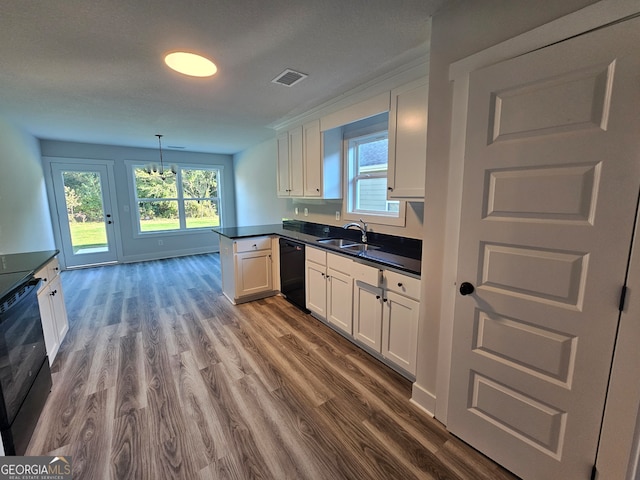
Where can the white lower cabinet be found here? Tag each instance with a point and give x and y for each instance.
(385, 314)
(367, 315)
(340, 300)
(316, 287)
(247, 268)
(253, 273)
(53, 311)
(400, 331)
(329, 288)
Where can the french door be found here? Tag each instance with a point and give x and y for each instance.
(550, 187)
(83, 203)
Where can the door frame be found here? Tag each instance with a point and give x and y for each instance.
(621, 407)
(55, 218)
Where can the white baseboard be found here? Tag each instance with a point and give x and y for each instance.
(423, 399)
(166, 254)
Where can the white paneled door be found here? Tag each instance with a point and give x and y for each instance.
(551, 181)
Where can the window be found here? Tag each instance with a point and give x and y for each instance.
(188, 200)
(366, 151)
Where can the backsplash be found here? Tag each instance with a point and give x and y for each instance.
(407, 247)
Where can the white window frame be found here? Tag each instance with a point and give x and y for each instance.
(369, 132)
(132, 165)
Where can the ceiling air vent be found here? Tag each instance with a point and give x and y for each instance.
(289, 78)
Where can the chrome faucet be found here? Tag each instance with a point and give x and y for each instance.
(362, 228)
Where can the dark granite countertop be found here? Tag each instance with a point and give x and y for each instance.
(15, 268)
(397, 252)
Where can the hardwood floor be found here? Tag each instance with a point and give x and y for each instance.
(161, 377)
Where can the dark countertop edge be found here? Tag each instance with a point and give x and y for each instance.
(50, 254)
(29, 270)
(275, 229)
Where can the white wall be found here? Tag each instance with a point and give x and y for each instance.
(255, 178)
(459, 29)
(25, 224)
(138, 248)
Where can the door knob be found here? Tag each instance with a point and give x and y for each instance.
(466, 288)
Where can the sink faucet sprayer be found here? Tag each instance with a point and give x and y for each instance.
(362, 228)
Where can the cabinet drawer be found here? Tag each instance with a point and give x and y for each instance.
(402, 284)
(316, 255)
(252, 244)
(47, 273)
(340, 263)
(367, 274)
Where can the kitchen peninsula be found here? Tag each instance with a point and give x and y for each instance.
(368, 292)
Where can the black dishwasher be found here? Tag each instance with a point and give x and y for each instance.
(292, 272)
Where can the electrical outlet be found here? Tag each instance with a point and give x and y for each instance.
(306, 212)
(337, 215)
(160, 242)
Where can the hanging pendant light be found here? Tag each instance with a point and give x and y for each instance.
(153, 168)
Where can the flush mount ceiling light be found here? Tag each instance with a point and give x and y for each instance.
(190, 64)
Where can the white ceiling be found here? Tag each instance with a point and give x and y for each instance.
(92, 70)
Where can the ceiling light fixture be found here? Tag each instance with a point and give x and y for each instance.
(190, 64)
(152, 168)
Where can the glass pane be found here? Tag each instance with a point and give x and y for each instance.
(200, 183)
(371, 194)
(201, 213)
(153, 186)
(373, 156)
(393, 206)
(158, 216)
(83, 196)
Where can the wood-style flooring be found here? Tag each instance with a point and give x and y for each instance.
(161, 377)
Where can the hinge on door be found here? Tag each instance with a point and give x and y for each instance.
(623, 297)
(594, 473)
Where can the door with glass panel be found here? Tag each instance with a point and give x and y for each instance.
(84, 213)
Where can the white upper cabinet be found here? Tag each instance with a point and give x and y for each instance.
(310, 156)
(408, 142)
(310, 162)
(284, 183)
(296, 162)
(290, 163)
(312, 153)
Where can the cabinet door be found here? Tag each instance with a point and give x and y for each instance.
(61, 323)
(340, 300)
(316, 289)
(253, 273)
(400, 331)
(407, 142)
(312, 159)
(296, 163)
(284, 184)
(48, 323)
(367, 315)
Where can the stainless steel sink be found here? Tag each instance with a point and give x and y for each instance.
(337, 242)
(359, 247)
(347, 245)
